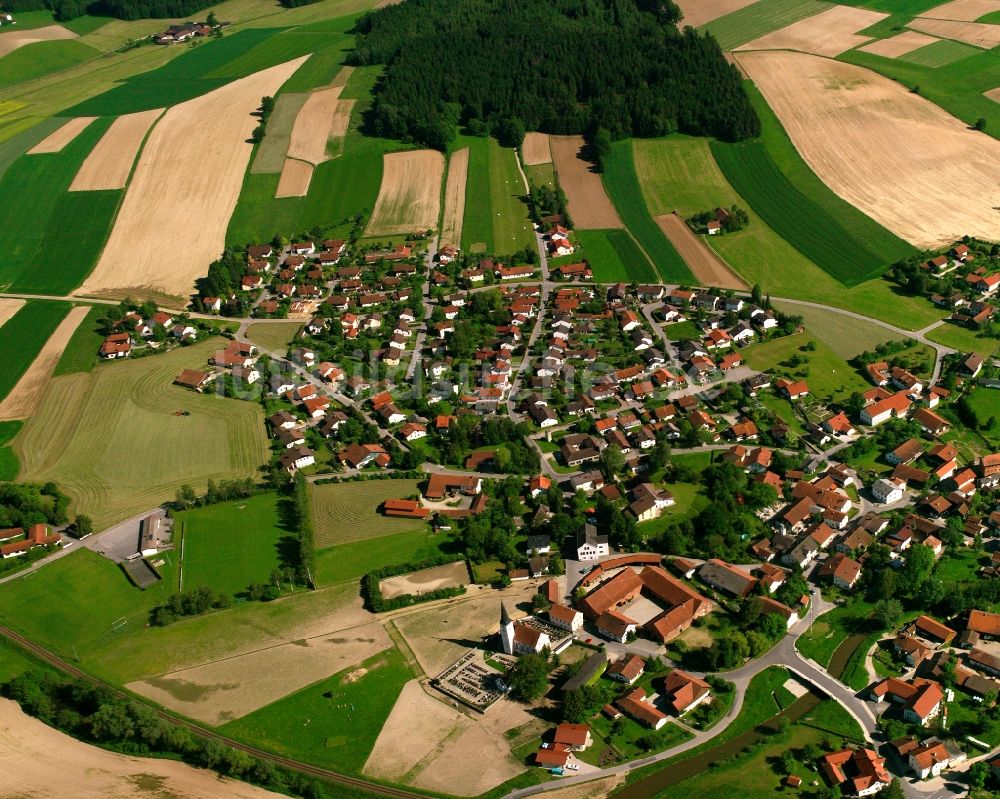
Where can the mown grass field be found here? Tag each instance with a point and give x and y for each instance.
(829, 376)
(679, 173)
(333, 723)
(346, 563)
(81, 352)
(771, 176)
(13, 148)
(42, 58)
(273, 336)
(8, 459)
(940, 53)
(112, 441)
(845, 335)
(51, 254)
(755, 20)
(964, 339)
(232, 544)
(613, 255)
(349, 511)
(24, 335)
(623, 188)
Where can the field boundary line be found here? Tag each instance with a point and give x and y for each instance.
(404, 649)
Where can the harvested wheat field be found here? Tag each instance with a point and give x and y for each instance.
(110, 162)
(311, 130)
(9, 42)
(448, 576)
(8, 308)
(295, 179)
(708, 268)
(43, 763)
(210, 134)
(897, 157)
(535, 149)
(338, 126)
(975, 33)
(409, 199)
(898, 45)
(21, 402)
(414, 731)
(828, 33)
(228, 689)
(454, 197)
(963, 10)
(993, 94)
(587, 202)
(698, 12)
(59, 138)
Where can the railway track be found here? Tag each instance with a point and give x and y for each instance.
(305, 768)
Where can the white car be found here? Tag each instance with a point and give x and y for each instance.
(573, 766)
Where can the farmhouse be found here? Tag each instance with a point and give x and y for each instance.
(627, 669)
(921, 699)
(441, 485)
(193, 379)
(37, 536)
(892, 406)
(357, 456)
(684, 692)
(721, 575)
(117, 345)
(296, 458)
(635, 704)
(405, 509)
(858, 772)
(154, 535)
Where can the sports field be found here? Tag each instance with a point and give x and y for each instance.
(349, 511)
(760, 18)
(623, 188)
(23, 336)
(232, 544)
(114, 443)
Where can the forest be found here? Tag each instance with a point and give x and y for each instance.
(557, 66)
(122, 9)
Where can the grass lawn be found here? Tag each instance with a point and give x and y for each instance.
(496, 217)
(42, 259)
(232, 544)
(274, 336)
(349, 562)
(690, 501)
(541, 175)
(114, 443)
(845, 335)
(333, 723)
(350, 511)
(43, 58)
(963, 339)
(831, 629)
(680, 173)
(80, 354)
(622, 185)
(630, 741)
(23, 335)
(986, 402)
(829, 377)
(613, 255)
(755, 20)
(683, 331)
(8, 458)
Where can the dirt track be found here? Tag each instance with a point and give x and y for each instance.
(25, 396)
(110, 162)
(454, 198)
(11, 41)
(172, 222)
(828, 33)
(42, 763)
(588, 204)
(535, 149)
(59, 138)
(295, 179)
(447, 576)
(894, 155)
(974, 33)
(709, 269)
(409, 199)
(698, 12)
(901, 44)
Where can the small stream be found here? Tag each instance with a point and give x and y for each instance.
(842, 654)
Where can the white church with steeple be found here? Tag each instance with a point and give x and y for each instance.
(521, 638)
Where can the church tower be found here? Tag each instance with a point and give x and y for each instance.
(506, 630)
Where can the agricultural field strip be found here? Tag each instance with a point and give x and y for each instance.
(706, 265)
(211, 131)
(899, 45)
(271, 151)
(454, 197)
(9, 307)
(977, 34)
(313, 124)
(828, 33)
(759, 19)
(110, 162)
(58, 139)
(409, 198)
(698, 12)
(295, 179)
(535, 149)
(23, 336)
(962, 10)
(883, 149)
(588, 203)
(9, 42)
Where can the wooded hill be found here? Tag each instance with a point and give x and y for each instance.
(558, 66)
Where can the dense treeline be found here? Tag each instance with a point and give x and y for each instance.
(559, 66)
(22, 505)
(371, 591)
(122, 9)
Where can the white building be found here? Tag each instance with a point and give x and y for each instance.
(590, 545)
(888, 490)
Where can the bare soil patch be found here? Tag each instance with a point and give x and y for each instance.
(173, 220)
(9, 42)
(447, 576)
(110, 162)
(698, 12)
(828, 33)
(21, 402)
(535, 149)
(707, 266)
(312, 126)
(43, 763)
(414, 731)
(55, 141)
(897, 157)
(409, 199)
(596, 789)
(295, 179)
(9, 307)
(963, 10)
(454, 197)
(899, 45)
(588, 202)
(977, 34)
(227, 689)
